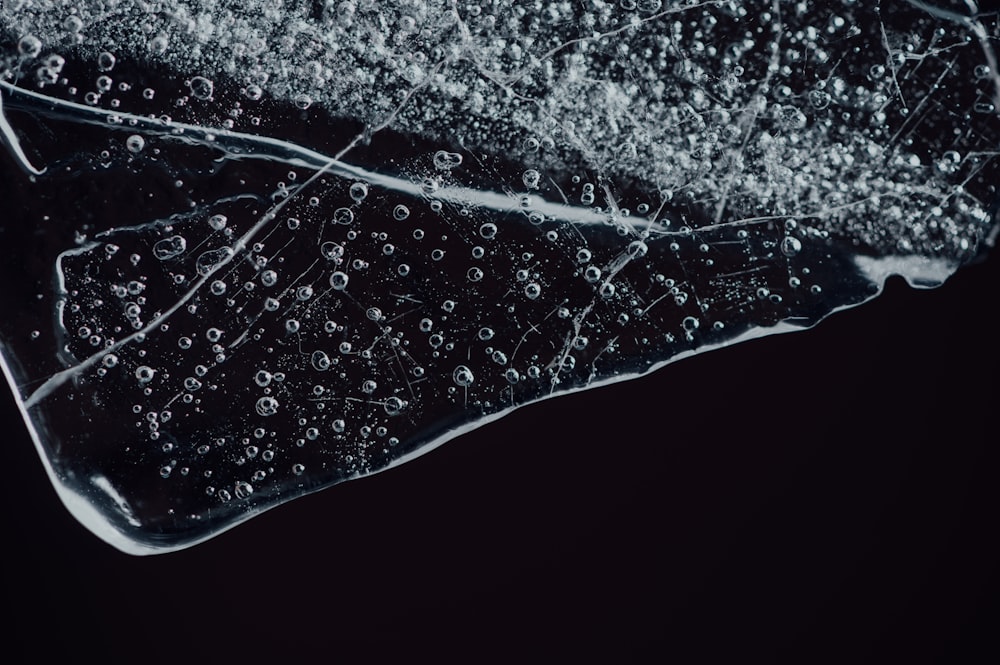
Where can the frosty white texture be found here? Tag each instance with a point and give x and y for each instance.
(267, 247)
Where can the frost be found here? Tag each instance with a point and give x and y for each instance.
(265, 248)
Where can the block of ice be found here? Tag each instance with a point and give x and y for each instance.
(252, 252)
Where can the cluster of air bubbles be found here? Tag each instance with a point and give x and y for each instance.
(949, 162)
(529, 287)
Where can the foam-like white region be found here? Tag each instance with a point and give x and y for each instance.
(919, 271)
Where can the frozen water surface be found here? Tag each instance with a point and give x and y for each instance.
(256, 249)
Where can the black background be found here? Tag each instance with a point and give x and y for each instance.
(824, 496)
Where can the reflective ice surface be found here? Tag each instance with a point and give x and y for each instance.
(253, 251)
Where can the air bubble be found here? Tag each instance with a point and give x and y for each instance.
(144, 373)
(359, 191)
(320, 361)
(158, 45)
(106, 61)
(29, 46)
(169, 248)
(394, 406)
(209, 261)
(462, 376)
(267, 406)
(135, 143)
(338, 281)
(445, 161)
(331, 250)
(790, 246)
(343, 216)
(201, 87)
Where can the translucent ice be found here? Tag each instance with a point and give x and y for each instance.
(255, 249)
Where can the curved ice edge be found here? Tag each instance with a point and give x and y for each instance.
(921, 272)
(77, 505)
(241, 145)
